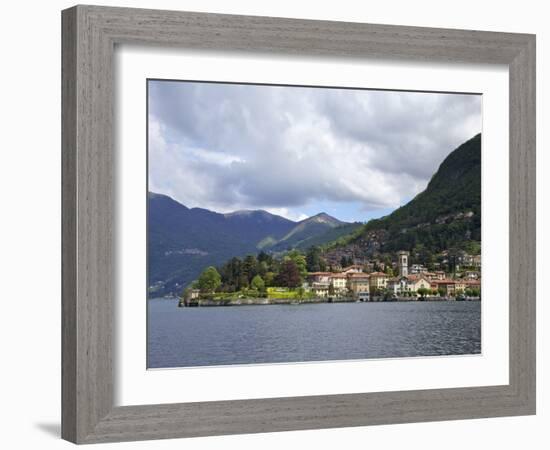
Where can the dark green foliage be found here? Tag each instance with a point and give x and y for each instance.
(447, 214)
(423, 291)
(328, 235)
(315, 262)
(289, 275)
(346, 261)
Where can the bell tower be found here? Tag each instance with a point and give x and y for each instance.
(403, 263)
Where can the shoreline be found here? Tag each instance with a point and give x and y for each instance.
(274, 301)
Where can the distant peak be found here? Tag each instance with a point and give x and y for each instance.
(323, 217)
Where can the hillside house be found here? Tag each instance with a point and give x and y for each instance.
(354, 268)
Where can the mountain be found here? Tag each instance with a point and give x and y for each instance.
(447, 214)
(305, 230)
(183, 241)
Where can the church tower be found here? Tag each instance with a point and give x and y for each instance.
(403, 263)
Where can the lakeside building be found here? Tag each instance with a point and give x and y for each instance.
(320, 289)
(450, 287)
(340, 282)
(410, 283)
(359, 285)
(354, 280)
(378, 281)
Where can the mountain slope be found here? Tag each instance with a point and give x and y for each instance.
(446, 214)
(183, 241)
(312, 227)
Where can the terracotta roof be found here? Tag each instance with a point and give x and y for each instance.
(358, 275)
(378, 274)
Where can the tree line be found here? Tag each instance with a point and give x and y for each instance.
(258, 272)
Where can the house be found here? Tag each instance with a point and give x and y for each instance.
(451, 287)
(471, 275)
(460, 286)
(339, 282)
(320, 289)
(446, 287)
(416, 282)
(468, 260)
(319, 277)
(396, 285)
(378, 281)
(418, 268)
(359, 284)
(354, 268)
(434, 276)
(410, 283)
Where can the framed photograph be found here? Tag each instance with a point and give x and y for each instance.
(278, 224)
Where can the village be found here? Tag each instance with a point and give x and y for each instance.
(357, 283)
(411, 283)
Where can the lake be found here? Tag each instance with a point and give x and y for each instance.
(183, 337)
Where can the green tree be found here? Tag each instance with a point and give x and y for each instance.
(289, 275)
(423, 291)
(265, 257)
(209, 280)
(269, 279)
(263, 268)
(473, 292)
(250, 267)
(258, 283)
(300, 260)
(313, 259)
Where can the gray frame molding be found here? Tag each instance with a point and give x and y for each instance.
(89, 36)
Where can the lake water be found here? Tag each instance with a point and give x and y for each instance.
(182, 337)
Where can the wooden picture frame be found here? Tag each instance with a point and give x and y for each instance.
(90, 34)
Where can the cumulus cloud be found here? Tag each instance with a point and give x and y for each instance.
(226, 147)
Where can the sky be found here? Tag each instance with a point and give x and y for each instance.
(355, 154)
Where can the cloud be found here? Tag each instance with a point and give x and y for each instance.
(226, 147)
